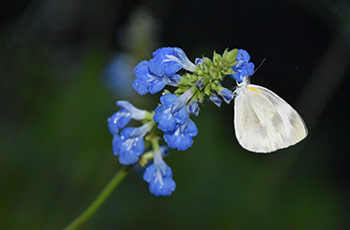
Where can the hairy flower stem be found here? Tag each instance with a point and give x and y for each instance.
(104, 194)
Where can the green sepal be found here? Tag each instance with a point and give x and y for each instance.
(186, 80)
(213, 74)
(219, 88)
(207, 62)
(216, 59)
(165, 91)
(228, 71)
(145, 158)
(229, 57)
(181, 90)
(149, 116)
(207, 89)
(215, 84)
(199, 95)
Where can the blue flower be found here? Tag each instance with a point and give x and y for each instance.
(168, 61)
(121, 118)
(216, 100)
(172, 111)
(226, 94)
(181, 136)
(159, 176)
(198, 61)
(153, 75)
(193, 108)
(130, 144)
(243, 68)
(147, 81)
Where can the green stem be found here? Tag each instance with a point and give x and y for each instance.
(104, 194)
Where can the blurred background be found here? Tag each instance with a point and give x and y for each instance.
(65, 63)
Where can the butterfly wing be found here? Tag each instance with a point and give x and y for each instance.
(264, 122)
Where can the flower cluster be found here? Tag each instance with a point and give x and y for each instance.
(172, 116)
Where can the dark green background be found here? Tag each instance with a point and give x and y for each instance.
(55, 149)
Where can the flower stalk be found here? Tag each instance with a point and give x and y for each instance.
(99, 200)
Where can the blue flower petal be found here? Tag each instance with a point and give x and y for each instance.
(182, 115)
(115, 144)
(140, 85)
(130, 145)
(164, 118)
(181, 137)
(193, 108)
(164, 189)
(250, 68)
(168, 98)
(160, 183)
(161, 65)
(216, 100)
(243, 67)
(118, 121)
(226, 94)
(157, 85)
(174, 79)
(141, 70)
(191, 129)
(243, 56)
(172, 111)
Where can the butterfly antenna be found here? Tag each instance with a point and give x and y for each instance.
(262, 62)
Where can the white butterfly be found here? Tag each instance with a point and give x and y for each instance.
(263, 121)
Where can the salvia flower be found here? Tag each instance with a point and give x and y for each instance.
(121, 118)
(130, 144)
(226, 94)
(168, 61)
(149, 82)
(159, 176)
(193, 108)
(153, 75)
(243, 67)
(180, 137)
(172, 111)
(216, 100)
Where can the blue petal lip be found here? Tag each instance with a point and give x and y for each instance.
(168, 99)
(182, 115)
(115, 144)
(181, 137)
(141, 70)
(157, 188)
(157, 85)
(140, 85)
(118, 121)
(191, 129)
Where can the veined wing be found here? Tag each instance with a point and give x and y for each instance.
(264, 122)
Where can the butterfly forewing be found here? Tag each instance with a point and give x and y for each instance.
(264, 122)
